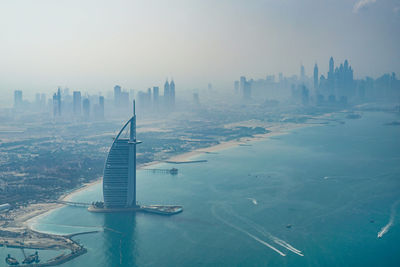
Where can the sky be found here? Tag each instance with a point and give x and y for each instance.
(92, 45)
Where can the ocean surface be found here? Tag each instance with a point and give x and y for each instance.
(317, 196)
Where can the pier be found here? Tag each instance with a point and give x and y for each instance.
(74, 204)
(185, 162)
(173, 171)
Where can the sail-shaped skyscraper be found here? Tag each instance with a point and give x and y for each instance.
(119, 181)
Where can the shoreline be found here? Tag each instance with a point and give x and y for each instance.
(33, 212)
(26, 218)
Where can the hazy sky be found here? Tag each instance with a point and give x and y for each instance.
(92, 45)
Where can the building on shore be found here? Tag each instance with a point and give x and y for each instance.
(119, 182)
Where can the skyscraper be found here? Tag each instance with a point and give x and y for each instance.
(166, 91)
(247, 90)
(117, 95)
(124, 100)
(17, 99)
(77, 103)
(119, 182)
(196, 99)
(57, 103)
(331, 68)
(242, 83)
(86, 108)
(156, 93)
(302, 73)
(172, 93)
(315, 76)
(236, 87)
(101, 108)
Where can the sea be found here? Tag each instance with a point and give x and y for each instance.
(326, 195)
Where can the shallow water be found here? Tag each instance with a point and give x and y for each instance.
(323, 192)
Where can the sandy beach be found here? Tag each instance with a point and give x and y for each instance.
(275, 130)
(25, 216)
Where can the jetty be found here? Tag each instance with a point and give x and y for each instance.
(186, 161)
(73, 203)
(173, 171)
(99, 207)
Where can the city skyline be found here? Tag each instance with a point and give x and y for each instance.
(268, 133)
(98, 44)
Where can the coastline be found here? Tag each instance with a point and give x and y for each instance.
(25, 219)
(275, 130)
(27, 216)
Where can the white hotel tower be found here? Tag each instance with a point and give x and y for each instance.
(119, 181)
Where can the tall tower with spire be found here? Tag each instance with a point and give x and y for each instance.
(172, 93)
(166, 91)
(315, 76)
(302, 73)
(331, 68)
(119, 179)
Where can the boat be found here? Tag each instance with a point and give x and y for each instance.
(32, 258)
(11, 261)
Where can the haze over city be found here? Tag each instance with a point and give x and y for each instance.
(199, 133)
(93, 45)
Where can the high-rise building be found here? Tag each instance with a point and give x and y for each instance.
(101, 108)
(86, 108)
(331, 76)
(119, 179)
(302, 73)
(166, 91)
(172, 93)
(142, 100)
(304, 95)
(242, 83)
(77, 103)
(117, 96)
(247, 90)
(124, 100)
(156, 93)
(236, 87)
(40, 102)
(331, 68)
(315, 76)
(57, 103)
(17, 99)
(196, 99)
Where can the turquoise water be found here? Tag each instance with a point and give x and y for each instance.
(336, 185)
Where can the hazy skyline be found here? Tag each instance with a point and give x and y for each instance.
(93, 45)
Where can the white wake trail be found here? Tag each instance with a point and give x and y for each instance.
(266, 244)
(386, 228)
(288, 246)
(262, 231)
(247, 233)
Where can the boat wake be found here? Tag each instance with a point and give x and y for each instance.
(386, 228)
(247, 233)
(262, 231)
(266, 244)
(288, 246)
